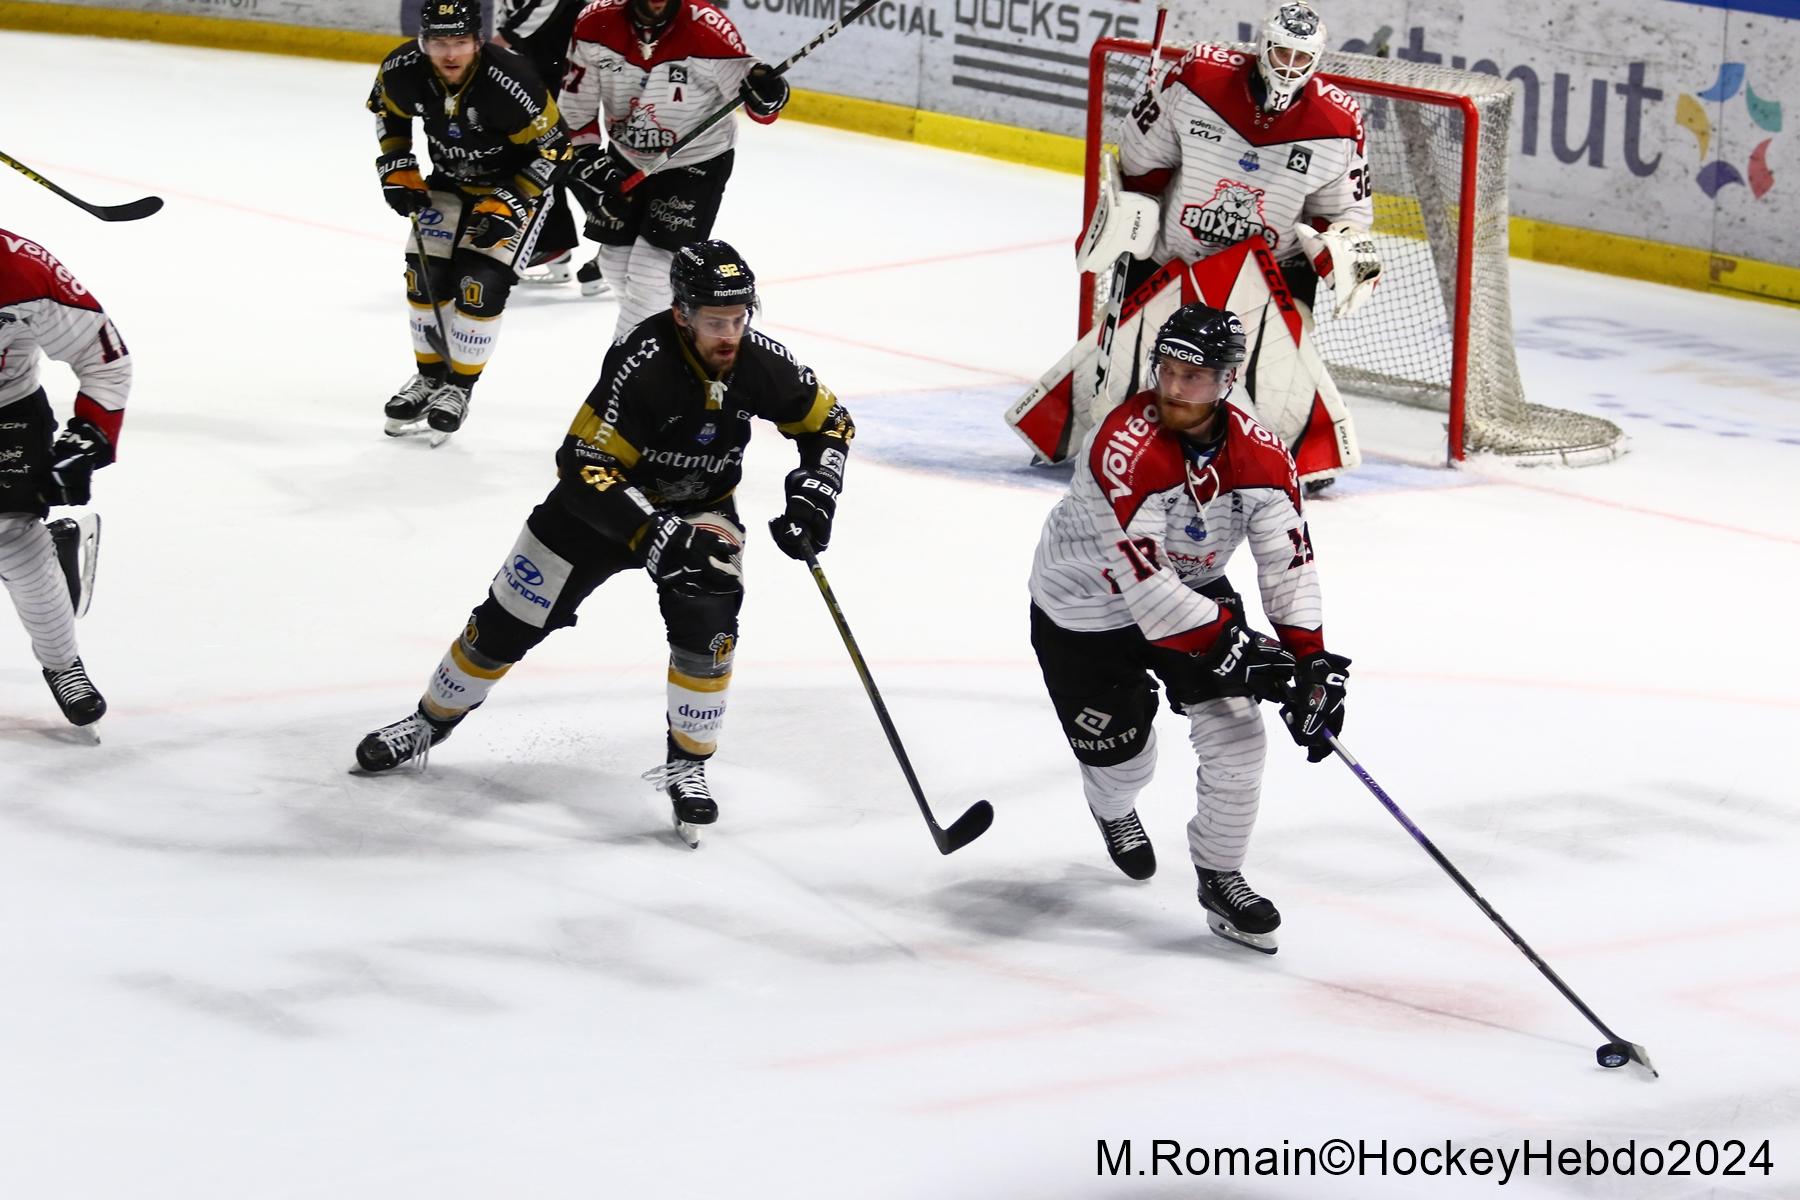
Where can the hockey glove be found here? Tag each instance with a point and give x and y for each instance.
(1241, 662)
(401, 184)
(596, 178)
(79, 451)
(764, 92)
(811, 504)
(1316, 703)
(498, 218)
(689, 559)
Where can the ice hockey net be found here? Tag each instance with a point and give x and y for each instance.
(1438, 331)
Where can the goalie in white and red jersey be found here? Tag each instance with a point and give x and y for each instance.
(642, 73)
(1242, 147)
(1129, 584)
(1240, 183)
(48, 569)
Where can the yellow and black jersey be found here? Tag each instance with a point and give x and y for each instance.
(500, 128)
(659, 433)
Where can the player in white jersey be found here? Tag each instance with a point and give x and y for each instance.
(642, 73)
(1239, 146)
(1129, 583)
(45, 308)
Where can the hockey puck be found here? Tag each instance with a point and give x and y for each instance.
(1613, 1055)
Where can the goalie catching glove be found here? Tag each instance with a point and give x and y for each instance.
(1345, 257)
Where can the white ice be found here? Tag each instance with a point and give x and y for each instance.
(234, 969)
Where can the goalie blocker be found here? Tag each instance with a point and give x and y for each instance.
(1293, 393)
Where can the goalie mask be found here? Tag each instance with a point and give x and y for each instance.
(1293, 43)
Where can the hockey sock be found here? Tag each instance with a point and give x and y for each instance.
(471, 343)
(697, 684)
(1112, 791)
(646, 288)
(35, 580)
(1229, 742)
(461, 681)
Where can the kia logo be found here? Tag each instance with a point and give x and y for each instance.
(527, 570)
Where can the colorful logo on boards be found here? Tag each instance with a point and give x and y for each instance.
(1717, 174)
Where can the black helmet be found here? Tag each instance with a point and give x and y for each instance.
(711, 274)
(1202, 335)
(449, 19)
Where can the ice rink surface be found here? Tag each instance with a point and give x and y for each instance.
(234, 969)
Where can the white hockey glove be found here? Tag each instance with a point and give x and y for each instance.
(1123, 221)
(1346, 257)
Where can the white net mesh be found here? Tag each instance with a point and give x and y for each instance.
(1406, 344)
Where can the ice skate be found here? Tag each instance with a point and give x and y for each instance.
(412, 736)
(547, 272)
(80, 701)
(448, 409)
(1235, 912)
(406, 410)
(1128, 844)
(589, 277)
(684, 779)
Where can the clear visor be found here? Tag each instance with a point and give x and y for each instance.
(450, 44)
(732, 322)
(1184, 381)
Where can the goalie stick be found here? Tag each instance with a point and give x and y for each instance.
(1617, 1051)
(134, 211)
(731, 106)
(1115, 300)
(964, 829)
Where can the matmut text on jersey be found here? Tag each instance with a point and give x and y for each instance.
(1227, 171)
(643, 97)
(1150, 519)
(659, 433)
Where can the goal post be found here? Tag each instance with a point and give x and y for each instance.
(1438, 331)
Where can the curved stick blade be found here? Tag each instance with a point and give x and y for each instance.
(137, 210)
(965, 828)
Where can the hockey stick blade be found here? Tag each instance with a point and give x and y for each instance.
(965, 828)
(136, 210)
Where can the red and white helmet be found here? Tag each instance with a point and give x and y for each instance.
(1293, 44)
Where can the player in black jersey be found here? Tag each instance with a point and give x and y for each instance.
(496, 141)
(645, 479)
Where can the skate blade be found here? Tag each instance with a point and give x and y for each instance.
(688, 833)
(1263, 943)
(546, 279)
(397, 428)
(598, 288)
(437, 437)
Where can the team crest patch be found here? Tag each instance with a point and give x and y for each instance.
(1299, 160)
(677, 74)
(1250, 162)
(640, 129)
(707, 433)
(1233, 213)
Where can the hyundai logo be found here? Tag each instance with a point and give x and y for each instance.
(527, 570)
(430, 216)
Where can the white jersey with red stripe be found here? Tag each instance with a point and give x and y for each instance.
(1150, 519)
(1226, 170)
(644, 99)
(43, 307)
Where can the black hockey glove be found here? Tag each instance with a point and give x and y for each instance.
(401, 184)
(764, 92)
(79, 451)
(812, 497)
(498, 218)
(1316, 703)
(1241, 662)
(687, 558)
(596, 178)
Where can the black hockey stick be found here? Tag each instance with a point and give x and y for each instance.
(731, 106)
(134, 211)
(441, 343)
(1617, 1051)
(965, 828)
